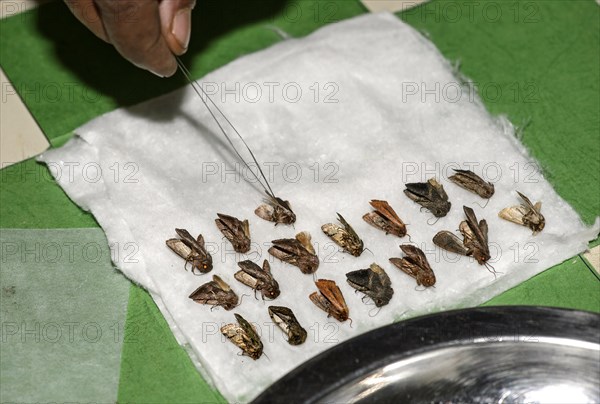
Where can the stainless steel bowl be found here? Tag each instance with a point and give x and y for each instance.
(484, 355)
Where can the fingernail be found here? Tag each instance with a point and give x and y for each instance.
(181, 28)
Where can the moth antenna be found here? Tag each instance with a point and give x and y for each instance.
(350, 322)
(314, 277)
(376, 308)
(241, 298)
(409, 238)
(368, 250)
(492, 270)
(431, 224)
(420, 286)
(267, 356)
(484, 205)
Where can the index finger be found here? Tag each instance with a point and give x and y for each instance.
(134, 28)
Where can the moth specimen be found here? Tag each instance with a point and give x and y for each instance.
(286, 320)
(297, 251)
(415, 264)
(215, 293)
(259, 279)
(430, 195)
(276, 210)
(373, 282)
(191, 250)
(244, 336)
(526, 214)
(236, 231)
(345, 236)
(472, 182)
(475, 242)
(330, 299)
(385, 218)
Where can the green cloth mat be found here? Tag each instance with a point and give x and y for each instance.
(534, 61)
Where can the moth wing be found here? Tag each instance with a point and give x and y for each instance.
(418, 191)
(439, 188)
(221, 283)
(381, 274)
(246, 228)
(349, 230)
(527, 201)
(450, 242)
(286, 249)
(320, 301)
(512, 214)
(190, 241)
(200, 240)
(266, 266)
(387, 211)
(332, 293)
(405, 266)
(246, 279)
(538, 207)
(483, 226)
(332, 229)
(359, 279)
(265, 212)
(417, 256)
(478, 232)
(179, 247)
(304, 239)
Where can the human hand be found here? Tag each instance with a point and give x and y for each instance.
(146, 32)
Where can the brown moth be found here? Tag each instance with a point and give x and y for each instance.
(236, 231)
(215, 293)
(286, 320)
(345, 236)
(475, 242)
(526, 214)
(430, 195)
(191, 250)
(385, 218)
(297, 251)
(276, 210)
(415, 264)
(472, 182)
(373, 282)
(330, 299)
(258, 278)
(244, 336)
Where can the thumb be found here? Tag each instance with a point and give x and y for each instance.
(176, 23)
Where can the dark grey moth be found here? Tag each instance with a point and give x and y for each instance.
(475, 238)
(286, 320)
(415, 264)
(345, 236)
(385, 218)
(244, 336)
(526, 214)
(236, 231)
(297, 251)
(215, 293)
(430, 195)
(259, 279)
(373, 282)
(192, 251)
(329, 298)
(276, 210)
(472, 182)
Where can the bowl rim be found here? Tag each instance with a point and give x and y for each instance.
(326, 372)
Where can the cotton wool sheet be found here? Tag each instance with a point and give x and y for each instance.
(348, 114)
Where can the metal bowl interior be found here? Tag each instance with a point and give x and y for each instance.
(483, 355)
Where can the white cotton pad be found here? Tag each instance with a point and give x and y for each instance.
(348, 114)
